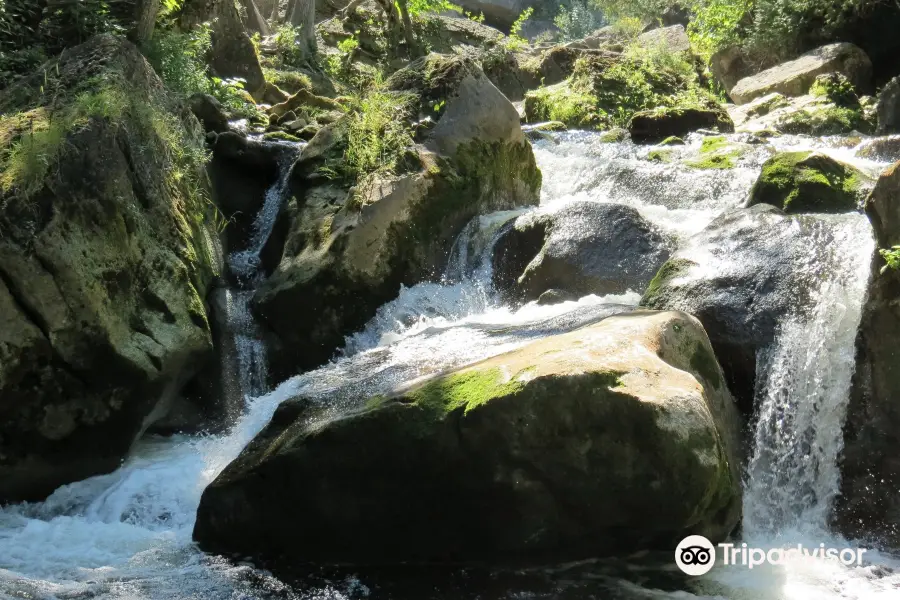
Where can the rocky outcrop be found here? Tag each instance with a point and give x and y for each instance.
(583, 248)
(809, 182)
(498, 13)
(617, 437)
(668, 39)
(729, 66)
(795, 78)
(889, 108)
(649, 127)
(349, 251)
(870, 470)
(107, 251)
(742, 295)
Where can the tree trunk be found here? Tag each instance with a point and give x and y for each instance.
(408, 28)
(302, 14)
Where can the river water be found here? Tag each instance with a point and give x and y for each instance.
(127, 535)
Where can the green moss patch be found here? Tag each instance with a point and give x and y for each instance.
(672, 269)
(717, 153)
(800, 182)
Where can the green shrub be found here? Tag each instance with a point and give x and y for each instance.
(576, 21)
(180, 60)
(379, 132)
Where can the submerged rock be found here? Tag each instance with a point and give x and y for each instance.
(617, 437)
(583, 248)
(803, 182)
(796, 77)
(349, 251)
(107, 252)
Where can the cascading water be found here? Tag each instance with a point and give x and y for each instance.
(128, 534)
(245, 265)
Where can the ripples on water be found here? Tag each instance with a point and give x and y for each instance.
(127, 535)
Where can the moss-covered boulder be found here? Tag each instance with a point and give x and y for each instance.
(617, 437)
(606, 90)
(107, 251)
(357, 231)
(652, 126)
(717, 152)
(803, 182)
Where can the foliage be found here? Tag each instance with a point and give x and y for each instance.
(287, 43)
(31, 30)
(180, 60)
(576, 21)
(379, 132)
(337, 64)
(891, 256)
(515, 41)
(836, 88)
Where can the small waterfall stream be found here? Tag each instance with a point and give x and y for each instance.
(127, 535)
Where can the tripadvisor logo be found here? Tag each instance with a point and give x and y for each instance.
(696, 555)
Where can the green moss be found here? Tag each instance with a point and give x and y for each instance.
(672, 268)
(280, 136)
(825, 120)
(672, 141)
(614, 136)
(799, 182)
(716, 153)
(575, 109)
(704, 363)
(660, 156)
(465, 390)
(290, 81)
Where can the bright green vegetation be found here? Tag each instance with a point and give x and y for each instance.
(891, 257)
(604, 93)
(379, 131)
(180, 60)
(799, 182)
(716, 153)
(672, 141)
(660, 156)
(767, 30)
(466, 390)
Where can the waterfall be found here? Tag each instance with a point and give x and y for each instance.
(246, 266)
(127, 535)
(803, 390)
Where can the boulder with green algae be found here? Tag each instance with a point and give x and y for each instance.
(805, 182)
(349, 245)
(615, 438)
(106, 255)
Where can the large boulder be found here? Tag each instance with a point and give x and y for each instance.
(617, 437)
(668, 39)
(349, 251)
(889, 108)
(107, 252)
(583, 248)
(802, 182)
(730, 65)
(868, 504)
(741, 277)
(654, 126)
(795, 78)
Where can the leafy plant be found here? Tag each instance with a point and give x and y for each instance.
(891, 257)
(576, 21)
(515, 41)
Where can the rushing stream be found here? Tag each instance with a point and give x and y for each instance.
(127, 535)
